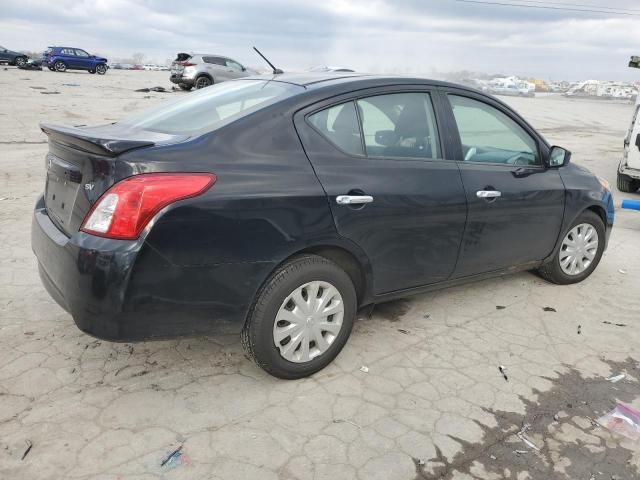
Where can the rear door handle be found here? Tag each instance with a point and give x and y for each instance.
(488, 194)
(353, 199)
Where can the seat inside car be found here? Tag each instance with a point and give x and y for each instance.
(412, 133)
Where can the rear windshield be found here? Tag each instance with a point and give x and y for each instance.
(211, 107)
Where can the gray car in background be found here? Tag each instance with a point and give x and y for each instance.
(201, 70)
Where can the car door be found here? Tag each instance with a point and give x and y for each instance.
(516, 203)
(391, 189)
(83, 59)
(217, 68)
(69, 57)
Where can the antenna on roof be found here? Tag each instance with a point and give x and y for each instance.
(275, 70)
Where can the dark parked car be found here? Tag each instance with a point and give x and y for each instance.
(12, 58)
(61, 59)
(276, 207)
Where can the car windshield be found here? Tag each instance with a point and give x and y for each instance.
(212, 107)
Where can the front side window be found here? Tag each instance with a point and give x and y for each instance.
(399, 125)
(210, 108)
(234, 65)
(81, 53)
(490, 136)
(339, 125)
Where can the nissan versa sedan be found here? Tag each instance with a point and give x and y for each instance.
(276, 206)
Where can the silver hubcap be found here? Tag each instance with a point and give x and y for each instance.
(579, 248)
(100, 69)
(308, 321)
(61, 67)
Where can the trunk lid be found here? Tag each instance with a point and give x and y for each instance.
(177, 66)
(82, 163)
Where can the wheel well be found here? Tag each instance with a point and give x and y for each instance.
(600, 212)
(204, 75)
(345, 260)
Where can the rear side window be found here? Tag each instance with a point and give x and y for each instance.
(68, 51)
(490, 136)
(339, 125)
(214, 60)
(400, 125)
(212, 107)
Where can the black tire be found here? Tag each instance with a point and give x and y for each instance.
(101, 69)
(92, 71)
(185, 87)
(552, 271)
(60, 66)
(19, 61)
(202, 81)
(257, 335)
(51, 68)
(626, 184)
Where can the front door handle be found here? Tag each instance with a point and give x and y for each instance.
(488, 194)
(353, 199)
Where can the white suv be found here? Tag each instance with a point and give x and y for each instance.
(202, 70)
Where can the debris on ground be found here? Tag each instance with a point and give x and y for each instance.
(623, 272)
(153, 89)
(616, 378)
(70, 84)
(624, 420)
(522, 435)
(39, 88)
(500, 307)
(503, 371)
(364, 369)
(31, 65)
(176, 458)
(29, 446)
(549, 309)
(50, 93)
(340, 420)
(607, 322)
(579, 329)
(402, 330)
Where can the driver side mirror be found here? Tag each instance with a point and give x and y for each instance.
(388, 138)
(558, 157)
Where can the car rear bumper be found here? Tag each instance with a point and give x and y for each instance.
(120, 291)
(179, 79)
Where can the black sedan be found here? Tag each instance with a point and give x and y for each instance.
(277, 206)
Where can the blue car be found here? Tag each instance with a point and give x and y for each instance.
(61, 59)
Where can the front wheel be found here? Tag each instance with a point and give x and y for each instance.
(101, 69)
(20, 61)
(60, 66)
(579, 252)
(301, 318)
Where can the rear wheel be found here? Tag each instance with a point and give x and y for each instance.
(60, 66)
(20, 61)
(301, 318)
(627, 184)
(579, 252)
(203, 82)
(101, 69)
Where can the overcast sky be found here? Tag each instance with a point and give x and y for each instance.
(426, 37)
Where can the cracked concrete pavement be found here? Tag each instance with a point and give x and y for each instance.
(432, 404)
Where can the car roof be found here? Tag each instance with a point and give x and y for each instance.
(311, 80)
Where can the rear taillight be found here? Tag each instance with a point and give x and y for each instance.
(127, 207)
(187, 64)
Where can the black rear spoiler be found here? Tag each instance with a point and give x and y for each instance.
(80, 139)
